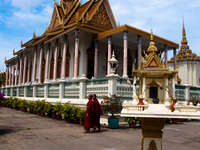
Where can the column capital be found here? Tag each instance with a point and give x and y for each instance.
(109, 39)
(77, 33)
(125, 36)
(139, 39)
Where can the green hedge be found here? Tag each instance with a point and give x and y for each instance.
(67, 112)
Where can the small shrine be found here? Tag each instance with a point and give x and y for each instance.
(155, 100)
(155, 78)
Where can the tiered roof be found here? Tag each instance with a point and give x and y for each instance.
(185, 53)
(94, 16)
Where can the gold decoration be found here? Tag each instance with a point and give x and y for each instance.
(152, 58)
(152, 47)
(152, 145)
(101, 18)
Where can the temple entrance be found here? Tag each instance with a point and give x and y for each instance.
(153, 92)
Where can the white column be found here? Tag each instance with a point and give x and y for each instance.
(55, 61)
(125, 64)
(16, 72)
(139, 52)
(25, 61)
(47, 64)
(76, 54)
(96, 60)
(34, 65)
(20, 71)
(63, 70)
(10, 75)
(13, 75)
(40, 66)
(109, 54)
(7, 76)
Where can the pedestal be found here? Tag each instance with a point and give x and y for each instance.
(25, 91)
(152, 133)
(46, 91)
(61, 90)
(83, 87)
(112, 84)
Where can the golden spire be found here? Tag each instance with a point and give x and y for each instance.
(152, 47)
(184, 39)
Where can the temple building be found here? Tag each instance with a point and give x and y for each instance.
(188, 63)
(71, 58)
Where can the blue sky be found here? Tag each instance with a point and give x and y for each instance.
(20, 18)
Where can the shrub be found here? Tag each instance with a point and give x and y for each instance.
(67, 111)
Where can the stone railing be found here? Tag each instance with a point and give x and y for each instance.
(98, 87)
(71, 90)
(125, 88)
(79, 89)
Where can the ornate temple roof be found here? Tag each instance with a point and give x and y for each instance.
(94, 16)
(185, 53)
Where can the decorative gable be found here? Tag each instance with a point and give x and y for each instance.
(153, 63)
(101, 18)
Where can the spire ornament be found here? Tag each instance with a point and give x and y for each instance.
(152, 48)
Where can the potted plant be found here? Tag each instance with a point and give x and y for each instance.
(132, 121)
(112, 105)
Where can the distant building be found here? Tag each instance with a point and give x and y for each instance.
(188, 63)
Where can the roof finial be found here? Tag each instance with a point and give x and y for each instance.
(34, 35)
(22, 43)
(151, 35)
(13, 51)
(152, 47)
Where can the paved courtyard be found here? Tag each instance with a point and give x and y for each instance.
(23, 131)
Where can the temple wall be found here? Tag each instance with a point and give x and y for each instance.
(189, 72)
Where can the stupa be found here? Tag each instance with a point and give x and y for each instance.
(155, 101)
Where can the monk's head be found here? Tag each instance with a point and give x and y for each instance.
(94, 96)
(90, 96)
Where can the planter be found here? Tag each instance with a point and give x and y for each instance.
(113, 122)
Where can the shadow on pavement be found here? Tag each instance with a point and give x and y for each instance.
(6, 130)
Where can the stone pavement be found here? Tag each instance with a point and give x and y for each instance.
(24, 131)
